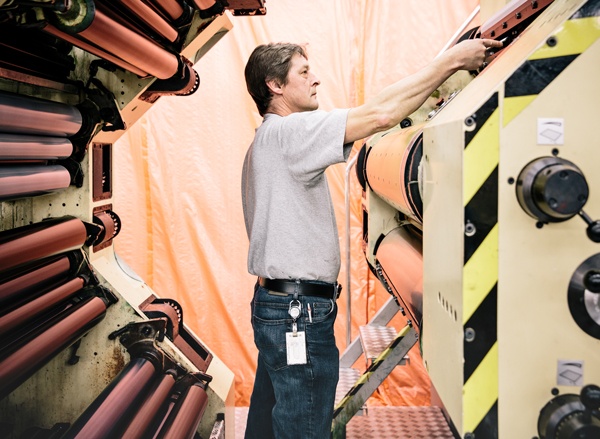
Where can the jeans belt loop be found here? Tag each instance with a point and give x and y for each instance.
(297, 289)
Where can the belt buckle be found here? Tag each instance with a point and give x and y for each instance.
(337, 290)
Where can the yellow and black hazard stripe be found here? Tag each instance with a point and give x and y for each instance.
(480, 272)
(561, 49)
(480, 194)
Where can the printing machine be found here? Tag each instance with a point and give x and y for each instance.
(87, 349)
(488, 191)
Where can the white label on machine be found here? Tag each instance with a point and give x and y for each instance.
(550, 131)
(569, 373)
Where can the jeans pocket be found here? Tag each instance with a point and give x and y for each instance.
(322, 309)
(320, 330)
(270, 325)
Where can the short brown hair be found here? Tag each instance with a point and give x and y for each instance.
(266, 63)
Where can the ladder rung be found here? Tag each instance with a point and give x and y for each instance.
(375, 339)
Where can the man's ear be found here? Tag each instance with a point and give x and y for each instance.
(274, 86)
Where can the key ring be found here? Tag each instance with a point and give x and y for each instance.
(295, 309)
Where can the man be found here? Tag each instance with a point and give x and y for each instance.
(294, 249)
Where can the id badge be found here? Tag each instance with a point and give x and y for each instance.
(295, 344)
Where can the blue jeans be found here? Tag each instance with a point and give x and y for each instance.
(293, 402)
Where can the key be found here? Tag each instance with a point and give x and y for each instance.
(295, 309)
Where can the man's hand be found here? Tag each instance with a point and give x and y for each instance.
(472, 54)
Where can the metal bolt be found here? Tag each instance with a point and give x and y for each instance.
(405, 123)
(470, 229)
(469, 337)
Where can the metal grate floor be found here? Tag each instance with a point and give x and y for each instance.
(383, 423)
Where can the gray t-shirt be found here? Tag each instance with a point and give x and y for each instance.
(288, 211)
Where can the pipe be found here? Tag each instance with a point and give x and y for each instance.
(186, 415)
(349, 166)
(24, 147)
(31, 180)
(108, 415)
(147, 414)
(36, 278)
(19, 365)
(38, 305)
(40, 240)
(27, 115)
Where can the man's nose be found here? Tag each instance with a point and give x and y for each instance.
(315, 80)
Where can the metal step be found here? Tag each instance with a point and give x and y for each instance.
(368, 382)
(348, 378)
(400, 423)
(382, 423)
(375, 339)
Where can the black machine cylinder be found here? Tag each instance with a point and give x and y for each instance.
(552, 189)
(572, 416)
(583, 296)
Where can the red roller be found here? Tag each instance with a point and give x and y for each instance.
(27, 115)
(208, 8)
(152, 19)
(24, 147)
(38, 305)
(40, 240)
(170, 7)
(183, 421)
(405, 278)
(24, 362)
(204, 4)
(94, 50)
(22, 180)
(36, 277)
(148, 412)
(392, 170)
(110, 412)
(126, 44)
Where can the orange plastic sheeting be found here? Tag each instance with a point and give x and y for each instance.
(178, 170)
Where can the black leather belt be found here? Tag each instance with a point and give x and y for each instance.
(302, 287)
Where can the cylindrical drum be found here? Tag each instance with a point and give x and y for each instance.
(31, 180)
(47, 238)
(27, 115)
(14, 147)
(393, 167)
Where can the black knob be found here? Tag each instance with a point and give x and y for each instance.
(591, 280)
(593, 231)
(590, 397)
